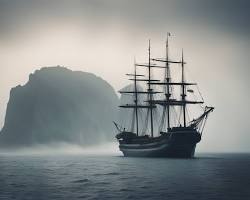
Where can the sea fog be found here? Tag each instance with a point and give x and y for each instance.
(63, 149)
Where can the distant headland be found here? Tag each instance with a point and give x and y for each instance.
(59, 105)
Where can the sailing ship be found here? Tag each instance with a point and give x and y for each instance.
(174, 136)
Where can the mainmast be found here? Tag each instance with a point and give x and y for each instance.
(168, 102)
(136, 102)
(183, 95)
(150, 96)
(168, 86)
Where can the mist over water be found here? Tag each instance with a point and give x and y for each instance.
(64, 149)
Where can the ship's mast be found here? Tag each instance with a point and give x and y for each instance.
(183, 95)
(150, 95)
(136, 102)
(168, 86)
(135, 106)
(168, 102)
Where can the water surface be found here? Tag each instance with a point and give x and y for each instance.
(208, 176)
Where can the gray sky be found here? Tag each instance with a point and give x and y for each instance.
(104, 36)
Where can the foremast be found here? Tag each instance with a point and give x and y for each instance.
(183, 95)
(136, 106)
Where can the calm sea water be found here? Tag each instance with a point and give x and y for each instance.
(208, 176)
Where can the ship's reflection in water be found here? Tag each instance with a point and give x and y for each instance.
(72, 176)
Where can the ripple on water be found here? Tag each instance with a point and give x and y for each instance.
(102, 183)
(112, 173)
(86, 196)
(125, 178)
(144, 187)
(125, 190)
(107, 174)
(81, 181)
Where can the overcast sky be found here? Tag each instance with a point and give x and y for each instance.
(103, 37)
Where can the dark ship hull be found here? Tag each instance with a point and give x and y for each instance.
(176, 143)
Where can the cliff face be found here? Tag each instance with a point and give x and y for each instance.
(60, 105)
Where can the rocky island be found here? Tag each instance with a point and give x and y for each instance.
(60, 105)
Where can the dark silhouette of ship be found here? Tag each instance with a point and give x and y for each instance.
(174, 135)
